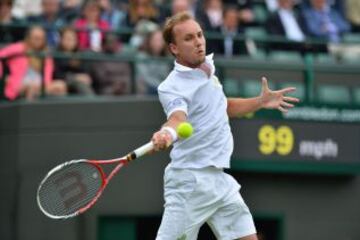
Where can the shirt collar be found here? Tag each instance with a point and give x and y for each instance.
(208, 59)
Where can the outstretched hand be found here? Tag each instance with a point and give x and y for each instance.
(277, 99)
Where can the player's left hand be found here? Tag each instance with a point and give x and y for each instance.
(276, 99)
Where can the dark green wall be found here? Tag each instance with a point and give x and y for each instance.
(34, 137)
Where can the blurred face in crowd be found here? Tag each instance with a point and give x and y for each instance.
(104, 4)
(50, 7)
(180, 6)
(189, 43)
(214, 5)
(142, 7)
(231, 20)
(156, 43)
(71, 3)
(286, 4)
(318, 4)
(92, 12)
(36, 39)
(68, 41)
(5, 10)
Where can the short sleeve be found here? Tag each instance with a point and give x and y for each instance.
(177, 92)
(172, 102)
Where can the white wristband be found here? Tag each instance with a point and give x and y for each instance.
(171, 131)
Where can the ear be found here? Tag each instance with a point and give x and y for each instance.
(173, 49)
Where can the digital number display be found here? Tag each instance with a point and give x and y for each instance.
(261, 139)
(280, 140)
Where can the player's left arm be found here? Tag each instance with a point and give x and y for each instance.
(268, 99)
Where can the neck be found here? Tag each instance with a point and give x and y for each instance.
(187, 64)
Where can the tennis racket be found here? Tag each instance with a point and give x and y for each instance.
(73, 187)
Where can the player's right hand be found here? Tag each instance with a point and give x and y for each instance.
(161, 139)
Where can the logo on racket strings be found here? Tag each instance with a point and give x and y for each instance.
(71, 188)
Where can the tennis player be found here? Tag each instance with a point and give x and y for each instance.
(196, 188)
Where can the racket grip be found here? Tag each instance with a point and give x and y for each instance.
(143, 149)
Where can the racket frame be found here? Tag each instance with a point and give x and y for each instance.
(105, 179)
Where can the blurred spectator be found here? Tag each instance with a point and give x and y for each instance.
(26, 72)
(181, 6)
(177, 6)
(339, 5)
(72, 71)
(10, 33)
(246, 13)
(285, 22)
(149, 71)
(70, 10)
(230, 29)
(141, 10)
(25, 8)
(353, 14)
(142, 29)
(111, 14)
(111, 77)
(91, 27)
(273, 5)
(324, 22)
(50, 19)
(212, 16)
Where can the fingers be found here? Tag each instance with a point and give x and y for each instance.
(161, 140)
(287, 105)
(287, 90)
(281, 109)
(291, 99)
(264, 83)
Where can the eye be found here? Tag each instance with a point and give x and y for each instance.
(188, 38)
(200, 34)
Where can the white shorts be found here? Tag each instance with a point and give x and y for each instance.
(196, 196)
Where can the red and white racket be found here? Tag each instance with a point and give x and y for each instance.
(73, 187)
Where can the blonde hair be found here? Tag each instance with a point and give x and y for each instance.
(150, 10)
(171, 22)
(34, 61)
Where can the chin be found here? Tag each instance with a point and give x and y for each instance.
(201, 60)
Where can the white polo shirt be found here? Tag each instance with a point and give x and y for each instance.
(202, 99)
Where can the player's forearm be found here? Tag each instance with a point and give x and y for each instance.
(241, 106)
(168, 134)
(175, 119)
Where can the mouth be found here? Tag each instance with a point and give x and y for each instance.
(201, 52)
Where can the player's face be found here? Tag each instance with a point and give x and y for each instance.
(189, 44)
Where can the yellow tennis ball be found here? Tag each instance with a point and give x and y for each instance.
(184, 130)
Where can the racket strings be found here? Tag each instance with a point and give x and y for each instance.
(72, 187)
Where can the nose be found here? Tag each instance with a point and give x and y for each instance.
(198, 41)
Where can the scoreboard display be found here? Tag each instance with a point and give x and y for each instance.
(295, 144)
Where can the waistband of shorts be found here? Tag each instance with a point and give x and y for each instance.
(202, 169)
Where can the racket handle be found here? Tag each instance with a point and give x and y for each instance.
(143, 149)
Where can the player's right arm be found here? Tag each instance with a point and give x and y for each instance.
(167, 134)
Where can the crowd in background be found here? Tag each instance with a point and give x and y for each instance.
(95, 26)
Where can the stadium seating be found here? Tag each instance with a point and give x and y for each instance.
(333, 94)
(285, 56)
